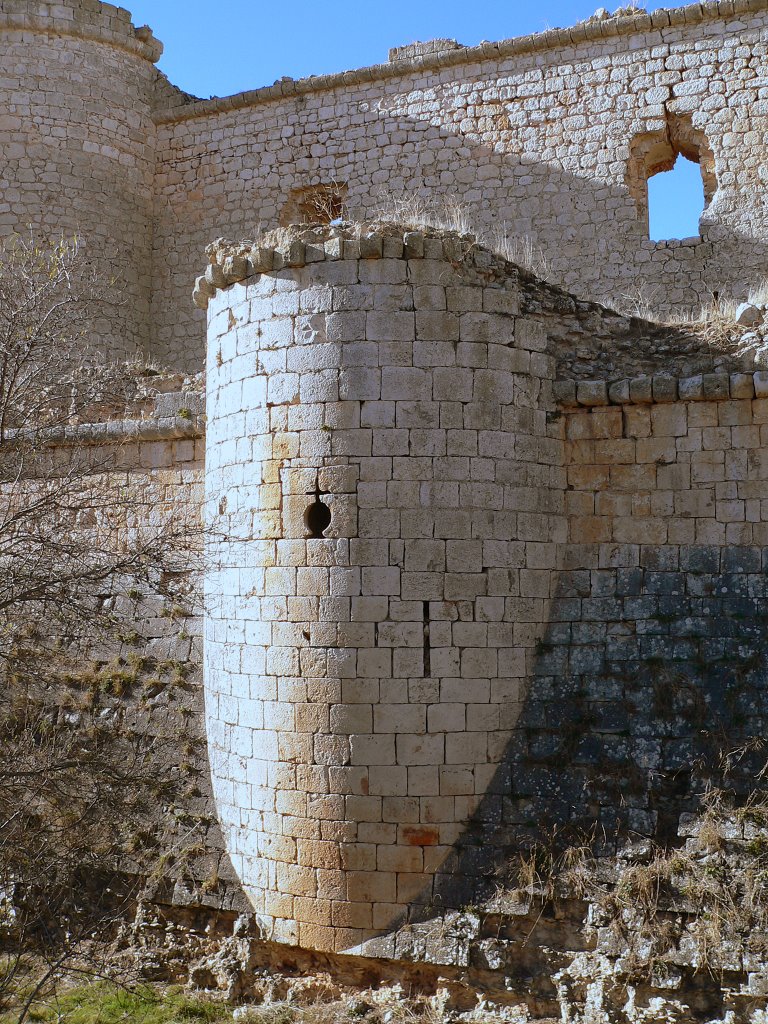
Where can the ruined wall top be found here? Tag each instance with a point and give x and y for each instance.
(548, 139)
(444, 53)
(602, 356)
(86, 19)
(94, 19)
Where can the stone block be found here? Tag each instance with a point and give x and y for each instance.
(641, 389)
(564, 392)
(371, 247)
(592, 392)
(413, 244)
(618, 392)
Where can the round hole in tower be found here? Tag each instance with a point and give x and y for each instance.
(317, 518)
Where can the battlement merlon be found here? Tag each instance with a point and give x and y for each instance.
(84, 19)
(447, 53)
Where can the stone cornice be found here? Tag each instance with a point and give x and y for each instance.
(541, 42)
(167, 428)
(175, 416)
(115, 432)
(703, 387)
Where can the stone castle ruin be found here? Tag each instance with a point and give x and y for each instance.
(487, 558)
(549, 139)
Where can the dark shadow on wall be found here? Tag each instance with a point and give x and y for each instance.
(650, 687)
(591, 342)
(587, 235)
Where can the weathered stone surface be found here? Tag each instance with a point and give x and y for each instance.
(538, 598)
(356, 718)
(748, 315)
(476, 618)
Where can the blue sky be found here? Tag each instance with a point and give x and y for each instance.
(217, 50)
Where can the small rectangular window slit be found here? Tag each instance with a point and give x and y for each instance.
(427, 665)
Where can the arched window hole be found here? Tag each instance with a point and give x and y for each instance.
(671, 176)
(675, 202)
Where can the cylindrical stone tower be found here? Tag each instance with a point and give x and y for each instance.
(77, 145)
(383, 502)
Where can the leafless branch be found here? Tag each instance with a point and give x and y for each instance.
(90, 766)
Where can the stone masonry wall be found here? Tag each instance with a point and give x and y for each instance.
(538, 606)
(77, 153)
(508, 621)
(547, 137)
(148, 675)
(663, 597)
(651, 682)
(163, 467)
(384, 495)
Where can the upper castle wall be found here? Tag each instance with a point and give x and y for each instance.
(77, 151)
(547, 136)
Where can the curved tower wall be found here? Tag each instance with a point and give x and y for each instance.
(77, 145)
(361, 685)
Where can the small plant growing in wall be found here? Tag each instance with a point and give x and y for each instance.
(316, 204)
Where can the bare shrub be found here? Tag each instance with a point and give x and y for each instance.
(316, 204)
(86, 771)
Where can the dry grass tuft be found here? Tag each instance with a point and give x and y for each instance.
(709, 897)
(522, 251)
(366, 1009)
(451, 214)
(758, 296)
(415, 212)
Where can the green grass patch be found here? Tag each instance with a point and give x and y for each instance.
(101, 1003)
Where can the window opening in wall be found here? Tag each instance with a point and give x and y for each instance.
(675, 201)
(316, 204)
(317, 517)
(671, 177)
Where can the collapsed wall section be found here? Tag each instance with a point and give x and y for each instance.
(384, 501)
